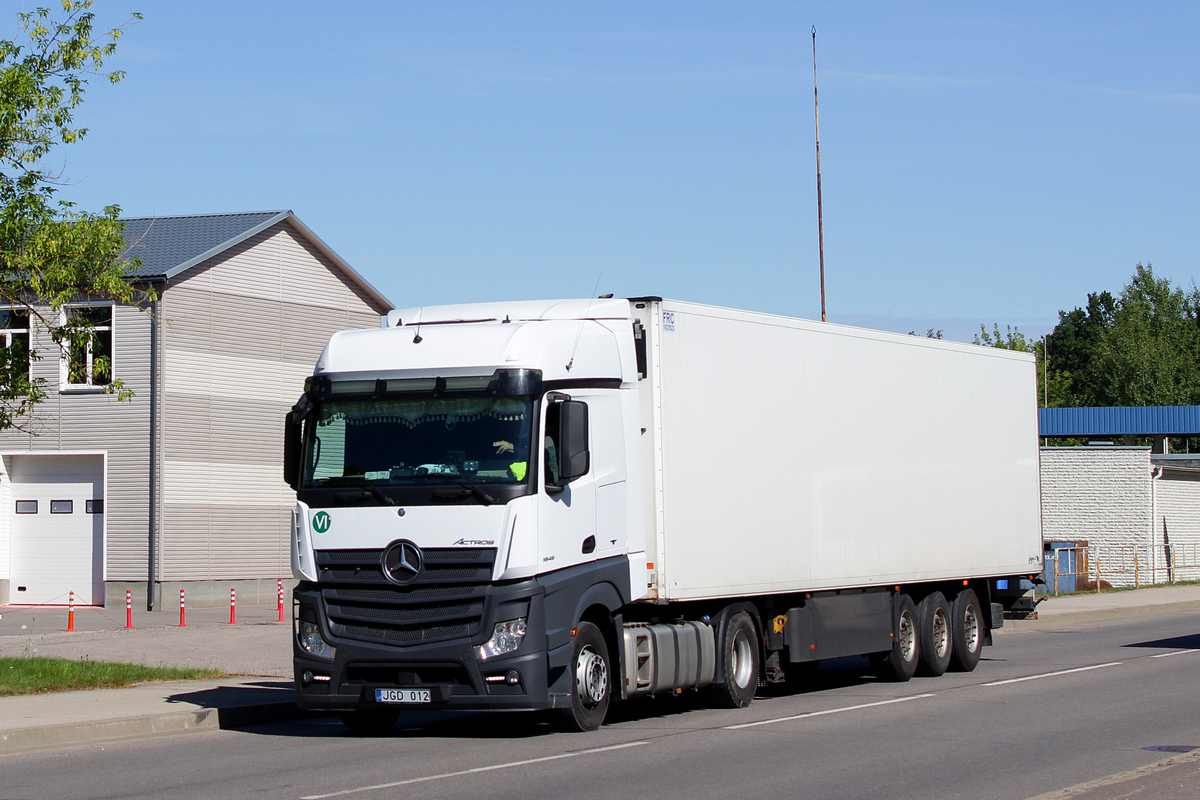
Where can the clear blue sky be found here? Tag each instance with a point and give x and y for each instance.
(981, 162)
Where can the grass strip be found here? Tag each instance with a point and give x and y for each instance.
(38, 675)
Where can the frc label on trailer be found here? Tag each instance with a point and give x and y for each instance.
(669, 321)
(321, 521)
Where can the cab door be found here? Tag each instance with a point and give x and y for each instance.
(585, 518)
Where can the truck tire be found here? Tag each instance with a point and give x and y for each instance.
(934, 635)
(370, 721)
(898, 664)
(591, 681)
(739, 649)
(966, 622)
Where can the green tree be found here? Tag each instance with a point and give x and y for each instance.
(1139, 348)
(1052, 387)
(50, 253)
(1011, 339)
(1150, 355)
(1073, 344)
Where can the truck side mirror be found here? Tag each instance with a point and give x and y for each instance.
(293, 427)
(291, 450)
(574, 458)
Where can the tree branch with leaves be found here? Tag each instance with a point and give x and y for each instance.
(50, 253)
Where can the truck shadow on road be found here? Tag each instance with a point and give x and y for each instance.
(422, 724)
(1189, 642)
(238, 694)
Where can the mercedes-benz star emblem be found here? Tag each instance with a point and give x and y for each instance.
(402, 562)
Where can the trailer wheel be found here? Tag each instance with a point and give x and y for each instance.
(966, 620)
(898, 664)
(934, 634)
(591, 681)
(740, 651)
(370, 721)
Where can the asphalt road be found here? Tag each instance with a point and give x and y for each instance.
(1044, 710)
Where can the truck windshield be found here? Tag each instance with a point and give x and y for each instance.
(418, 441)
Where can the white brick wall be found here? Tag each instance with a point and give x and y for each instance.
(1177, 522)
(1103, 495)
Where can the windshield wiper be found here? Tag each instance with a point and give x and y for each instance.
(468, 488)
(367, 484)
(483, 496)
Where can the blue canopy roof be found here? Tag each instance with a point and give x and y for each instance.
(1118, 420)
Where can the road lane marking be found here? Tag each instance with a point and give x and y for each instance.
(1053, 674)
(808, 714)
(1176, 653)
(475, 770)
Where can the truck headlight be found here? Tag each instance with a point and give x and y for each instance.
(506, 637)
(311, 641)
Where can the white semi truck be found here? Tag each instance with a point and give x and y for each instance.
(564, 504)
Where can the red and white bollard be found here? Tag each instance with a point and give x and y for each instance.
(232, 606)
(182, 610)
(280, 601)
(71, 613)
(128, 609)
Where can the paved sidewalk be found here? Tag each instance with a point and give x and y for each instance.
(257, 651)
(257, 645)
(1076, 609)
(1172, 778)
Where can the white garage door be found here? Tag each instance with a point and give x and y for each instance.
(57, 529)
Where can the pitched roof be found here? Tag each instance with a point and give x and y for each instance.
(168, 246)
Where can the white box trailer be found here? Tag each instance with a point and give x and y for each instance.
(559, 504)
(791, 456)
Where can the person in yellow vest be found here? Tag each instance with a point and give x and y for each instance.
(519, 468)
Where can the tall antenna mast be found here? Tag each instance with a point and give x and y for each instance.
(820, 221)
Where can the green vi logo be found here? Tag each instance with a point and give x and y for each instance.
(321, 521)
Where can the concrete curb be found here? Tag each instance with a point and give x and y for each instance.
(1082, 789)
(146, 726)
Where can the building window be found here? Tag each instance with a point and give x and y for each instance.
(27, 506)
(94, 507)
(62, 506)
(88, 357)
(14, 342)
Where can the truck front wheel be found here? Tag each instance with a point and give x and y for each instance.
(740, 651)
(591, 681)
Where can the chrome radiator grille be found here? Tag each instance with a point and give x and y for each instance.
(445, 601)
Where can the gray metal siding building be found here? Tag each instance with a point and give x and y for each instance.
(246, 302)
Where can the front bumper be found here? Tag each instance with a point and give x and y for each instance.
(450, 669)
